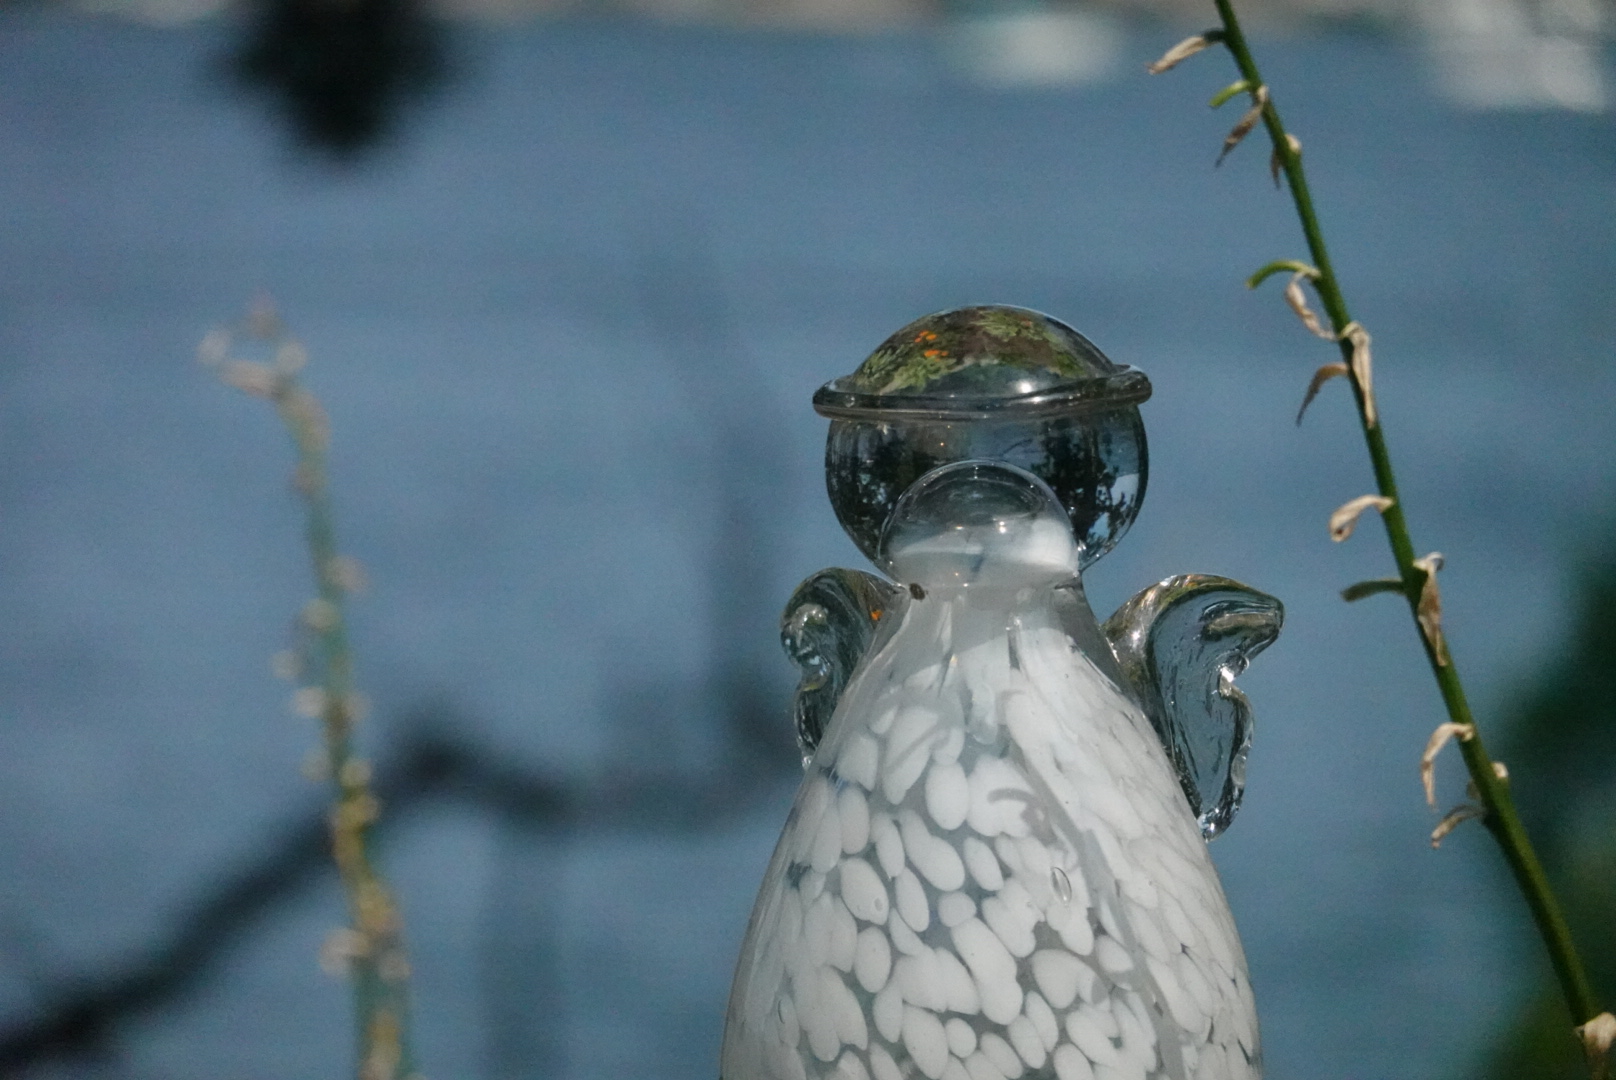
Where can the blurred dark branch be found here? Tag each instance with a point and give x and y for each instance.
(79, 1015)
(683, 298)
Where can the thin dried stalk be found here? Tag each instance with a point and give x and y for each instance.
(371, 949)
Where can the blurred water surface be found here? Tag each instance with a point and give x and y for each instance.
(567, 329)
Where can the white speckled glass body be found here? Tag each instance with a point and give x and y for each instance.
(990, 870)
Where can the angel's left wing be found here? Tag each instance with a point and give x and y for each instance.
(826, 629)
(1181, 644)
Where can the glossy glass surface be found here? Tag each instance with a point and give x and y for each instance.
(993, 383)
(982, 362)
(1181, 644)
(828, 626)
(990, 870)
(1095, 462)
(995, 866)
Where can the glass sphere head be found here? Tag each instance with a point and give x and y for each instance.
(982, 526)
(988, 384)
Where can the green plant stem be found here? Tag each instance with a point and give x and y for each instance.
(1501, 817)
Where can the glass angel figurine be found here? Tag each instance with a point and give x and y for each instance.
(996, 867)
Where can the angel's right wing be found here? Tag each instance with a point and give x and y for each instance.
(1181, 644)
(826, 629)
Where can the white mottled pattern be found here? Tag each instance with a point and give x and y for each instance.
(990, 873)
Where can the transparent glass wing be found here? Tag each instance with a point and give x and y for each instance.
(826, 629)
(1181, 644)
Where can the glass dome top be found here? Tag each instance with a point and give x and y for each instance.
(982, 362)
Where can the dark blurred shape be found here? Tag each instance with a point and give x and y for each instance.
(343, 70)
(1561, 752)
(77, 1017)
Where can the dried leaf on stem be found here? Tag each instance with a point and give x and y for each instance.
(1429, 609)
(1297, 300)
(1362, 373)
(1353, 593)
(1276, 162)
(1598, 1036)
(1183, 51)
(1237, 135)
(1433, 746)
(1320, 377)
(1345, 518)
(1453, 819)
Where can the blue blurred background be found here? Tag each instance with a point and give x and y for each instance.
(568, 288)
